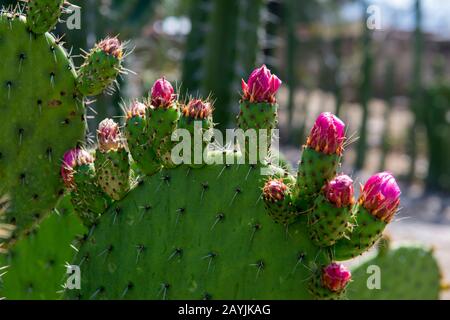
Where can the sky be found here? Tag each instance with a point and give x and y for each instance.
(400, 14)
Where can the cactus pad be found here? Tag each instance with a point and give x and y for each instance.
(45, 118)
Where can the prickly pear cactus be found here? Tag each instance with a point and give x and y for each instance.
(43, 97)
(406, 273)
(224, 227)
(35, 267)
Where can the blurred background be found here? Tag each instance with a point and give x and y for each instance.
(380, 65)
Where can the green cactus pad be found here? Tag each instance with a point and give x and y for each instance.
(282, 212)
(37, 263)
(161, 122)
(194, 233)
(43, 15)
(320, 292)
(407, 273)
(314, 170)
(98, 72)
(88, 199)
(45, 117)
(257, 116)
(366, 231)
(143, 155)
(113, 172)
(328, 223)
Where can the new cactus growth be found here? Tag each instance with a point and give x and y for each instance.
(101, 67)
(111, 160)
(46, 110)
(321, 157)
(331, 281)
(43, 15)
(377, 205)
(162, 118)
(278, 200)
(330, 219)
(258, 110)
(79, 176)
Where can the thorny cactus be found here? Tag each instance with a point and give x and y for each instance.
(202, 229)
(44, 97)
(217, 229)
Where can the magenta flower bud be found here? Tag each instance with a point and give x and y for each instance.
(108, 135)
(339, 191)
(261, 86)
(335, 277)
(111, 46)
(327, 135)
(71, 159)
(381, 196)
(136, 109)
(197, 109)
(162, 93)
(274, 190)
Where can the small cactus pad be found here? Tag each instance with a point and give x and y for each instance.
(44, 116)
(314, 170)
(405, 273)
(366, 231)
(43, 14)
(101, 67)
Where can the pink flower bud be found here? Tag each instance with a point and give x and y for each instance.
(136, 109)
(261, 86)
(197, 109)
(327, 135)
(339, 191)
(111, 46)
(381, 196)
(71, 159)
(108, 135)
(274, 190)
(162, 93)
(335, 277)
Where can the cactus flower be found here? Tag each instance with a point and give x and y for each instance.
(274, 190)
(108, 135)
(339, 191)
(381, 196)
(111, 46)
(197, 109)
(136, 109)
(335, 277)
(162, 94)
(71, 159)
(261, 86)
(327, 135)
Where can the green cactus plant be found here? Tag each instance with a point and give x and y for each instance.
(44, 97)
(223, 229)
(407, 272)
